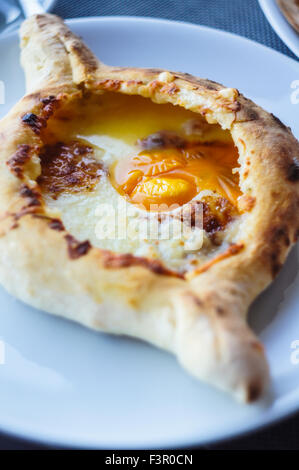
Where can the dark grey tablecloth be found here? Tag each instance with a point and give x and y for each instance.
(243, 17)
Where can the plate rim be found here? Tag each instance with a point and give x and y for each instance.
(290, 402)
(275, 17)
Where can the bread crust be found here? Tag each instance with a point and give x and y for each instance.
(290, 9)
(200, 317)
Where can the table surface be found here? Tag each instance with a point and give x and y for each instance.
(243, 17)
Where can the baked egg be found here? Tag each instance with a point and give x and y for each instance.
(114, 160)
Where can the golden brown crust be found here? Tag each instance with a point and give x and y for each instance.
(201, 318)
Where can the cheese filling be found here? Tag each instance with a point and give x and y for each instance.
(118, 161)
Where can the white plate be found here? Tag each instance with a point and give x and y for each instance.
(280, 25)
(64, 384)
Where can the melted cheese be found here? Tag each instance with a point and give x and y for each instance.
(112, 124)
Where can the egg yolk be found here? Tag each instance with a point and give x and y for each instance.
(163, 177)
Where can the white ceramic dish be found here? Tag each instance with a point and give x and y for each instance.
(280, 25)
(63, 384)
